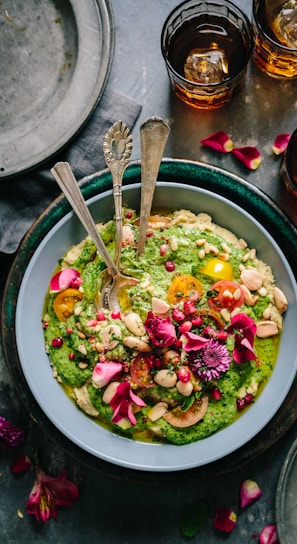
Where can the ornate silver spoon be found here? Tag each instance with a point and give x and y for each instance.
(68, 184)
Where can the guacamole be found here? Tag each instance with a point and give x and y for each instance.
(193, 342)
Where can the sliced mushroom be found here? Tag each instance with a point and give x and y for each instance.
(157, 411)
(195, 413)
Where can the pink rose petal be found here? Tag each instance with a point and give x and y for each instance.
(268, 535)
(225, 520)
(103, 373)
(249, 492)
(63, 279)
(219, 141)
(280, 143)
(249, 156)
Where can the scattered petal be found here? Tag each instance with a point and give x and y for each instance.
(268, 535)
(249, 492)
(20, 464)
(219, 141)
(103, 373)
(10, 435)
(250, 156)
(63, 279)
(160, 330)
(193, 341)
(225, 520)
(280, 143)
(193, 518)
(48, 493)
(122, 403)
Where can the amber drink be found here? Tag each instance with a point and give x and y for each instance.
(289, 166)
(275, 37)
(206, 47)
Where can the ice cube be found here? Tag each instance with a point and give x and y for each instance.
(206, 65)
(285, 24)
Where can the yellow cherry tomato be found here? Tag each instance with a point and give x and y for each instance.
(64, 302)
(218, 269)
(184, 287)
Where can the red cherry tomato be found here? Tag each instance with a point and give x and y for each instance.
(226, 294)
(141, 371)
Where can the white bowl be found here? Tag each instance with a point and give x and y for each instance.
(75, 425)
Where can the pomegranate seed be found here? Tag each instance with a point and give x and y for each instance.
(216, 394)
(57, 342)
(185, 327)
(71, 356)
(45, 325)
(101, 315)
(75, 283)
(189, 307)
(170, 266)
(222, 335)
(240, 404)
(184, 375)
(69, 330)
(178, 343)
(209, 331)
(115, 315)
(149, 234)
(249, 399)
(178, 315)
(197, 321)
(164, 249)
(129, 215)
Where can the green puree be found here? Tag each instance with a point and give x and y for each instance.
(74, 361)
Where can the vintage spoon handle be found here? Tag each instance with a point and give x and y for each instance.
(153, 135)
(69, 186)
(117, 148)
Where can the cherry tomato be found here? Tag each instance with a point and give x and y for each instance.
(184, 287)
(64, 302)
(223, 297)
(218, 269)
(141, 371)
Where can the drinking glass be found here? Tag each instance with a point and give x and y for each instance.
(206, 47)
(275, 37)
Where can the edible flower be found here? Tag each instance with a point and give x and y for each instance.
(225, 520)
(280, 143)
(268, 535)
(69, 277)
(10, 435)
(122, 403)
(244, 329)
(160, 330)
(193, 341)
(250, 156)
(103, 373)
(20, 464)
(249, 492)
(48, 493)
(219, 141)
(211, 361)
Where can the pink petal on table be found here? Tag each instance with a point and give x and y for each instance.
(250, 156)
(219, 141)
(280, 143)
(225, 520)
(249, 492)
(268, 535)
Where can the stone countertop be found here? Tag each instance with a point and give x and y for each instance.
(112, 510)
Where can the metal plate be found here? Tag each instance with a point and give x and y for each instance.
(55, 58)
(286, 499)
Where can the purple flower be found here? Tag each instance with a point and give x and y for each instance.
(211, 361)
(10, 435)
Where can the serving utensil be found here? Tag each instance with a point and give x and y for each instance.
(153, 136)
(68, 184)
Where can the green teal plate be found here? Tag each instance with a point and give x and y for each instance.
(209, 179)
